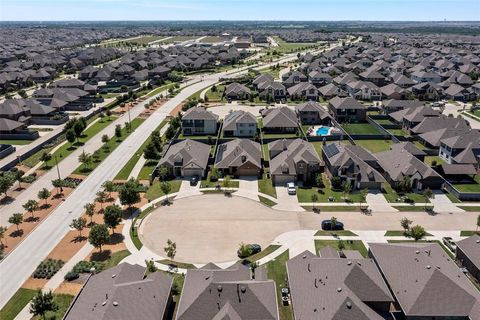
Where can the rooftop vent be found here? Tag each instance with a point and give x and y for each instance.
(219, 288)
(115, 303)
(478, 241)
(349, 263)
(417, 252)
(114, 275)
(339, 289)
(104, 303)
(243, 289)
(348, 305)
(428, 267)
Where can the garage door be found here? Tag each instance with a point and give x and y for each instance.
(192, 172)
(248, 172)
(281, 180)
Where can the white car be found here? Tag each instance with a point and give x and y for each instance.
(291, 188)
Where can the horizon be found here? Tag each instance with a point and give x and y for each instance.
(236, 10)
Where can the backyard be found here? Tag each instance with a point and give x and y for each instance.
(360, 128)
(277, 271)
(375, 146)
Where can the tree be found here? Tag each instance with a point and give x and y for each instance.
(118, 131)
(18, 176)
(6, 182)
(245, 250)
(16, 219)
(150, 152)
(170, 249)
(129, 193)
(417, 232)
(214, 174)
(2, 234)
(163, 173)
(58, 184)
(227, 182)
(166, 188)
(78, 129)
(86, 159)
(336, 183)
(90, 211)
(109, 187)
(31, 206)
(112, 216)
(101, 198)
(98, 236)
(44, 194)
(333, 221)
(346, 188)
(406, 223)
(314, 199)
(151, 267)
(156, 139)
(363, 196)
(70, 135)
(319, 181)
(105, 138)
(341, 245)
(427, 195)
(42, 303)
(79, 224)
(46, 157)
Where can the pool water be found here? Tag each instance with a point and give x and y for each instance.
(323, 131)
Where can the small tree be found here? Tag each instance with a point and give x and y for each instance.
(151, 267)
(31, 206)
(427, 195)
(90, 211)
(86, 159)
(341, 245)
(18, 176)
(363, 196)
(2, 234)
(170, 249)
(58, 184)
(166, 188)
(319, 181)
(42, 303)
(118, 131)
(16, 219)
(70, 135)
(45, 157)
(129, 193)
(346, 188)
(406, 223)
(244, 250)
(109, 187)
(44, 194)
(101, 198)
(314, 199)
(163, 173)
(112, 216)
(79, 224)
(105, 138)
(98, 236)
(333, 221)
(214, 174)
(336, 183)
(227, 182)
(6, 182)
(150, 152)
(417, 232)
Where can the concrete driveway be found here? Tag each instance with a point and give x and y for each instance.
(285, 201)
(248, 187)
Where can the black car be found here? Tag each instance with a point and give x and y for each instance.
(256, 248)
(193, 181)
(327, 225)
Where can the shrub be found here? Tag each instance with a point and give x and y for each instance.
(71, 275)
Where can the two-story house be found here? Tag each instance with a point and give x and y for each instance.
(240, 124)
(347, 110)
(199, 121)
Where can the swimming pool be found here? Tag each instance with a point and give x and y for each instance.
(323, 131)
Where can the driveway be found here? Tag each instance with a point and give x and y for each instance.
(285, 201)
(187, 190)
(441, 203)
(248, 187)
(377, 203)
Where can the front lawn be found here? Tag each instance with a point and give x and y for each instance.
(470, 209)
(16, 142)
(332, 208)
(400, 233)
(304, 194)
(63, 302)
(266, 201)
(16, 303)
(265, 252)
(411, 208)
(431, 160)
(392, 196)
(360, 128)
(349, 245)
(277, 271)
(154, 191)
(266, 186)
(375, 146)
(344, 233)
(465, 233)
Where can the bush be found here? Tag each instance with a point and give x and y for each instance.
(28, 179)
(86, 266)
(70, 276)
(336, 183)
(47, 268)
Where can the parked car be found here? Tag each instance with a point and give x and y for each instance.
(449, 243)
(291, 188)
(251, 249)
(256, 248)
(327, 225)
(193, 181)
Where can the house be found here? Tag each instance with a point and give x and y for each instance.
(425, 283)
(423, 76)
(398, 163)
(393, 105)
(303, 90)
(411, 148)
(363, 90)
(199, 121)
(240, 124)
(186, 158)
(236, 91)
(279, 120)
(427, 91)
(262, 79)
(353, 164)
(468, 254)
(335, 288)
(459, 93)
(313, 113)
(330, 90)
(461, 149)
(393, 91)
(347, 110)
(213, 293)
(272, 91)
(123, 292)
(293, 160)
(373, 76)
(239, 157)
(292, 78)
(319, 79)
(411, 117)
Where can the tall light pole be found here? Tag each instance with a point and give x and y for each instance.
(58, 173)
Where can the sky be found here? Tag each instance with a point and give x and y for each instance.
(314, 10)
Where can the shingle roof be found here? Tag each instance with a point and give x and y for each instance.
(199, 113)
(236, 152)
(240, 116)
(282, 117)
(190, 153)
(292, 152)
(471, 248)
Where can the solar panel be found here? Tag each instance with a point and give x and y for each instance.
(330, 150)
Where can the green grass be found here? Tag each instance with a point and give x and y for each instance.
(266, 186)
(465, 233)
(391, 195)
(134, 232)
(344, 233)
(160, 89)
(112, 144)
(349, 245)
(304, 195)
(474, 186)
(398, 132)
(16, 142)
(452, 198)
(155, 192)
(375, 146)
(281, 135)
(266, 201)
(265, 252)
(470, 209)
(332, 208)
(207, 183)
(128, 167)
(360, 128)
(384, 121)
(430, 159)
(66, 149)
(215, 96)
(147, 169)
(411, 208)
(18, 301)
(266, 152)
(277, 271)
(400, 233)
(180, 265)
(115, 258)
(63, 302)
